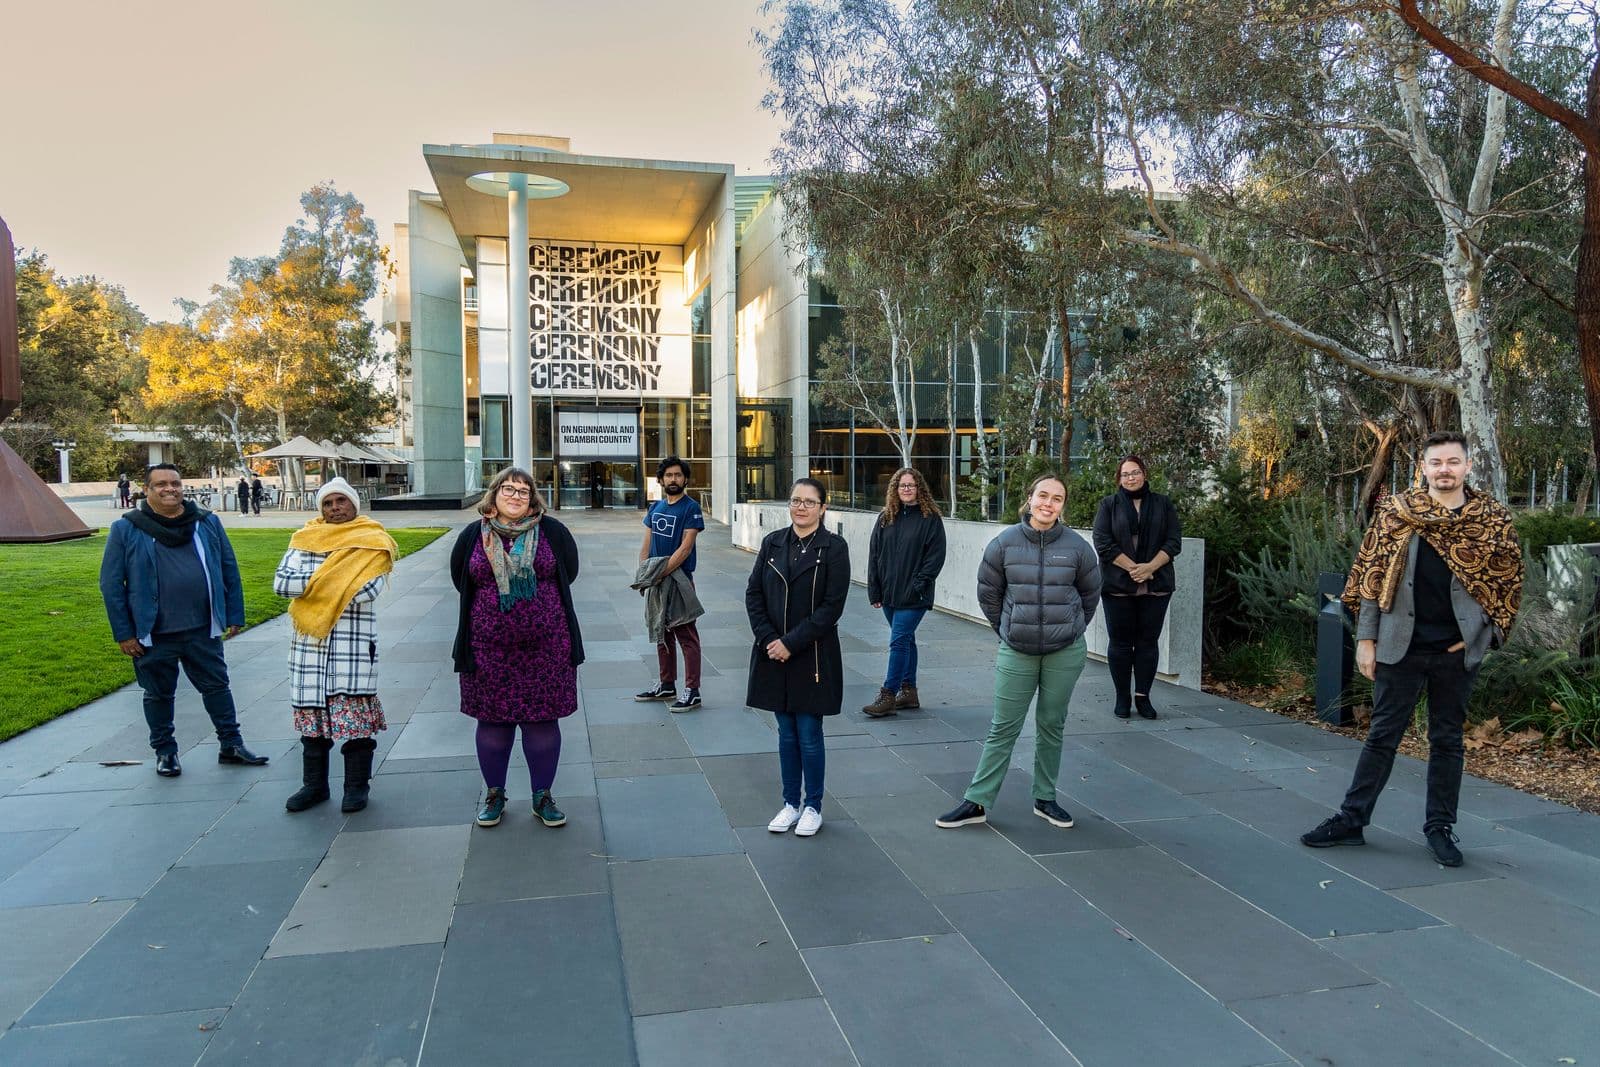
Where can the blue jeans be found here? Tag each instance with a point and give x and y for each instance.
(800, 751)
(200, 654)
(903, 623)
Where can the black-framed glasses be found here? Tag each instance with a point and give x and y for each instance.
(803, 504)
(516, 492)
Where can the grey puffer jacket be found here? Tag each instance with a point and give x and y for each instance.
(1039, 589)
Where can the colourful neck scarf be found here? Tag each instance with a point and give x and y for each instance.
(513, 571)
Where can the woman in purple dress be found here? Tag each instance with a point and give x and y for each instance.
(517, 644)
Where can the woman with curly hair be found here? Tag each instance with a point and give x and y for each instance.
(903, 559)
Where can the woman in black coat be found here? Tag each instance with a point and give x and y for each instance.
(1136, 535)
(794, 598)
(903, 560)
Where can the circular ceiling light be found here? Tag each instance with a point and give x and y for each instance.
(497, 183)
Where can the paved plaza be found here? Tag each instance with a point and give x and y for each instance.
(154, 921)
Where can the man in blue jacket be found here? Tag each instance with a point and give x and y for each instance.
(171, 588)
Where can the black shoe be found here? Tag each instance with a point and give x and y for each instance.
(1147, 710)
(357, 773)
(240, 754)
(965, 814)
(690, 701)
(660, 692)
(1334, 830)
(1443, 840)
(1052, 813)
(313, 775)
(167, 765)
(1123, 708)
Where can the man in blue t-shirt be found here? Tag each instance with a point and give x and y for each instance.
(671, 525)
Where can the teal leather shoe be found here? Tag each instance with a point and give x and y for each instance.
(494, 806)
(545, 810)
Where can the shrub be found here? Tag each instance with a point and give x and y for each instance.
(1275, 660)
(1278, 586)
(1545, 647)
(1538, 530)
(1236, 522)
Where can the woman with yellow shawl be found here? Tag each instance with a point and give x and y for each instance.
(335, 568)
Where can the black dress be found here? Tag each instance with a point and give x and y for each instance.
(796, 593)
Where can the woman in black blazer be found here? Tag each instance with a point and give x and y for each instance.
(794, 598)
(1136, 535)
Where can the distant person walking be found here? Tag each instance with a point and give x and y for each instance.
(517, 646)
(124, 491)
(1137, 535)
(904, 557)
(1038, 585)
(671, 526)
(257, 491)
(171, 589)
(335, 569)
(243, 490)
(1435, 586)
(794, 598)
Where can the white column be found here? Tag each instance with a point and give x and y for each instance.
(65, 455)
(517, 338)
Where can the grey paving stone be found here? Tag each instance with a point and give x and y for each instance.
(1287, 882)
(909, 728)
(947, 757)
(875, 771)
(437, 798)
(1229, 948)
(1400, 809)
(642, 768)
(23, 847)
(88, 777)
(1374, 1026)
(1302, 737)
(120, 855)
(1213, 709)
(1012, 817)
(713, 731)
(61, 811)
(790, 1033)
(1387, 861)
(133, 1042)
(42, 943)
(971, 721)
(1552, 933)
(1080, 975)
(700, 932)
(1236, 749)
(1577, 830)
(258, 828)
(522, 859)
(616, 707)
(340, 1007)
(1175, 767)
(750, 788)
(1120, 794)
(433, 734)
(189, 944)
(663, 815)
(561, 1000)
(882, 993)
(378, 889)
(807, 879)
(1560, 872)
(611, 744)
(969, 860)
(1522, 1010)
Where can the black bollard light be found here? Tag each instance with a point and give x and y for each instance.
(1336, 652)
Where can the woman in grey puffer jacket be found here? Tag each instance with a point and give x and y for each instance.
(1038, 585)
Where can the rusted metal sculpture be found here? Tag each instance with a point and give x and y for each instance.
(29, 510)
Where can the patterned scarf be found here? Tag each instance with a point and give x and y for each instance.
(1479, 546)
(513, 570)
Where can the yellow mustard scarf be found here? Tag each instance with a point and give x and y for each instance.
(358, 551)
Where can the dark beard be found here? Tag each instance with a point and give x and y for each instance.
(672, 490)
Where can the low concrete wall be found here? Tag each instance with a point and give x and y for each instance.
(957, 589)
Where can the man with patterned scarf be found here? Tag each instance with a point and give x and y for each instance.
(1436, 585)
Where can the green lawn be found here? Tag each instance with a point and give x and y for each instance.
(56, 651)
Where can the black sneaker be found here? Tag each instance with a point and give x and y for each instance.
(1147, 710)
(1334, 830)
(690, 701)
(965, 814)
(1052, 813)
(1442, 840)
(660, 692)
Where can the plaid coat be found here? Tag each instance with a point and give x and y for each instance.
(347, 662)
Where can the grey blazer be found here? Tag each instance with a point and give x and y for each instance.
(1392, 629)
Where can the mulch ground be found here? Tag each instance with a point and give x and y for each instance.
(1522, 760)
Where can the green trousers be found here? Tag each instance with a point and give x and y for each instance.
(1017, 676)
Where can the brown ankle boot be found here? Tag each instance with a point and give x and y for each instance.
(884, 705)
(907, 697)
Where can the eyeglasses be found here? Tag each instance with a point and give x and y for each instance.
(516, 492)
(1133, 474)
(906, 485)
(803, 504)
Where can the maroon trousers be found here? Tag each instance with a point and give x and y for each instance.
(667, 656)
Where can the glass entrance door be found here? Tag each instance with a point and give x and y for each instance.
(598, 483)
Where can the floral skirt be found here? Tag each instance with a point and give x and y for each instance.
(344, 718)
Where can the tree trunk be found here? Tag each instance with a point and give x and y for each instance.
(1378, 472)
(986, 474)
(950, 406)
(1587, 302)
(1064, 319)
(1580, 502)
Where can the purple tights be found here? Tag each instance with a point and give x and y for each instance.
(541, 746)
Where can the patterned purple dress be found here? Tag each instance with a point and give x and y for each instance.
(523, 656)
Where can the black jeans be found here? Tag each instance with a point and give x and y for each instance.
(1394, 698)
(1133, 625)
(157, 671)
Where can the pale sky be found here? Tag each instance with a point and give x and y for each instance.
(150, 143)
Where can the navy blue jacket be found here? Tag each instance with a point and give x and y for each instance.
(128, 578)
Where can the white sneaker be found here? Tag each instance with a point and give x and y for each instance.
(785, 819)
(810, 822)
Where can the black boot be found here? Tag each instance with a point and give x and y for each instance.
(357, 772)
(313, 776)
